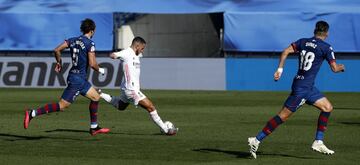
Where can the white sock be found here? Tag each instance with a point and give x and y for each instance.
(33, 113)
(106, 97)
(93, 126)
(157, 120)
(319, 141)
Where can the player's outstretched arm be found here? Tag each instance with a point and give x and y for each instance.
(283, 57)
(57, 52)
(117, 55)
(112, 55)
(337, 67)
(93, 64)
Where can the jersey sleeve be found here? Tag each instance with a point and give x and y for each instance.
(120, 54)
(68, 42)
(296, 45)
(330, 56)
(92, 47)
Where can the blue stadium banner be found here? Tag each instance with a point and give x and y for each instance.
(274, 31)
(20, 31)
(240, 77)
(177, 6)
(250, 25)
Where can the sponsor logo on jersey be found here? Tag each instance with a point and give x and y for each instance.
(300, 77)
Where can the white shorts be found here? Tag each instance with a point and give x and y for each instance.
(132, 96)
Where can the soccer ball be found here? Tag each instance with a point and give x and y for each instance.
(171, 128)
(169, 125)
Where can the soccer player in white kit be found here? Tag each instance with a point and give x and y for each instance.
(130, 84)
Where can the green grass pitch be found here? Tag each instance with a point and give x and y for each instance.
(214, 127)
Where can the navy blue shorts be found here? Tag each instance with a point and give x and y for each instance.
(76, 85)
(298, 98)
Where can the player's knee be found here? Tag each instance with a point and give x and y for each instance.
(328, 108)
(284, 114)
(284, 117)
(151, 108)
(95, 98)
(63, 105)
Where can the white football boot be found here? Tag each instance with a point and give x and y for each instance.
(254, 145)
(172, 131)
(319, 146)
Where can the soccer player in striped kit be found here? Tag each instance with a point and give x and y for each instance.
(82, 50)
(312, 52)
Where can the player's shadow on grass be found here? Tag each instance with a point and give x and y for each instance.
(67, 130)
(20, 137)
(11, 137)
(238, 154)
(87, 132)
(246, 155)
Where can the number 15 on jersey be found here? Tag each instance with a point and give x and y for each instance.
(75, 56)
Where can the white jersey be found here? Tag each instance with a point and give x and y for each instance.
(131, 69)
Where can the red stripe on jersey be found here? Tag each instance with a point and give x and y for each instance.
(67, 43)
(294, 47)
(332, 61)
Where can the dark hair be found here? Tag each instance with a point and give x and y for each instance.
(321, 27)
(138, 40)
(87, 25)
